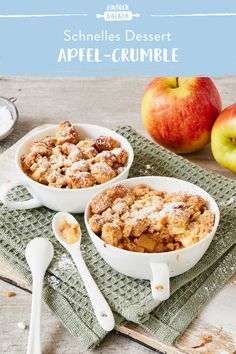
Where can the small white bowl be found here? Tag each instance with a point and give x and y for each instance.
(9, 104)
(68, 200)
(157, 267)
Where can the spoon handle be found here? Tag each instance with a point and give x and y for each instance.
(101, 308)
(34, 340)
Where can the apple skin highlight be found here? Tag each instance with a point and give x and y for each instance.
(178, 113)
(223, 138)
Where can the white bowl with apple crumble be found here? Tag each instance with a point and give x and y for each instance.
(152, 228)
(64, 166)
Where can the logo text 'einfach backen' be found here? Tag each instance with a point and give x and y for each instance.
(117, 12)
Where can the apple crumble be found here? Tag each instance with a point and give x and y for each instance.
(142, 219)
(70, 232)
(66, 161)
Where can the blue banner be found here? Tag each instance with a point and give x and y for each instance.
(91, 38)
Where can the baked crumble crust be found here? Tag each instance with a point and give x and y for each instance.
(142, 219)
(66, 161)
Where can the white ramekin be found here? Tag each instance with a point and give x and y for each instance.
(157, 267)
(69, 200)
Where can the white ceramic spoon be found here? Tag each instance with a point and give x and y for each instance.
(101, 308)
(39, 253)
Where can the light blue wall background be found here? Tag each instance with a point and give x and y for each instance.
(30, 46)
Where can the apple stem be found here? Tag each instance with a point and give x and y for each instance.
(177, 81)
(232, 140)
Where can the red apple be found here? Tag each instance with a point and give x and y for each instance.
(179, 113)
(223, 138)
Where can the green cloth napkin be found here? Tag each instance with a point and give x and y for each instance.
(130, 299)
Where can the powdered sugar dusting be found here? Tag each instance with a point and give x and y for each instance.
(22, 325)
(102, 166)
(147, 170)
(64, 262)
(228, 202)
(117, 151)
(152, 214)
(53, 281)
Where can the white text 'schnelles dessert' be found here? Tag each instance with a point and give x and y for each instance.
(142, 219)
(66, 161)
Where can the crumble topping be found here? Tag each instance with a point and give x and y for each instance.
(70, 232)
(66, 161)
(142, 219)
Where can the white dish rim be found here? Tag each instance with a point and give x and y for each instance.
(38, 131)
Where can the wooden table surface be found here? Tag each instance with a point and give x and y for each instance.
(109, 102)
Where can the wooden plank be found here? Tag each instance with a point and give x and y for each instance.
(205, 333)
(55, 339)
(131, 330)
